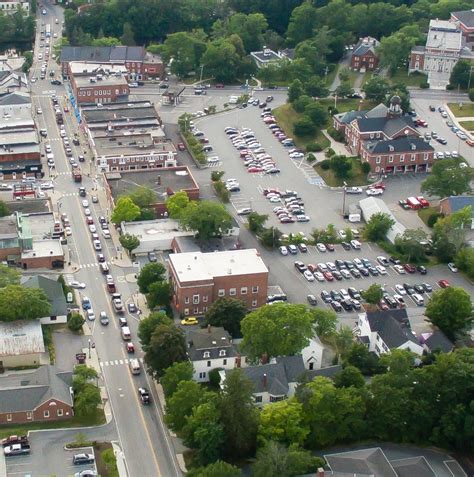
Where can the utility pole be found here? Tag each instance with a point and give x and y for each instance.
(344, 199)
(200, 78)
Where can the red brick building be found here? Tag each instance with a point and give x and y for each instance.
(198, 279)
(465, 22)
(99, 88)
(364, 57)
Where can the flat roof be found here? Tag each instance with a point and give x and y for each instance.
(84, 81)
(17, 138)
(164, 181)
(29, 206)
(152, 230)
(44, 248)
(40, 224)
(198, 266)
(133, 144)
(124, 112)
(8, 227)
(78, 67)
(21, 337)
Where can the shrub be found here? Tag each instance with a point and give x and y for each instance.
(336, 135)
(471, 94)
(425, 85)
(365, 166)
(314, 147)
(214, 378)
(450, 87)
(330, 152)
(75, 322)
(311, 158)
(432, 219)
(325, 165)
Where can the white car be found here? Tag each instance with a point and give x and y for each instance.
(381, 269)
(321, 247)
(319, 276)
(283, 250)
(399, 269)
(90, 314)
(452, 267)
(106, 234)
(85, 203)
(92, 228)
(275, 199)
(78, 285)
(47, 186)
(309, 276)
(244, 211)
(342, 234)
(47, 148)
(296, 155)
(400, 289)
(374, 191)
(355, 244)
(68, 231)
(87, 212)
(353, 190)
(39, 111)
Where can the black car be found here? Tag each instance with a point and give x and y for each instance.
(336, 306)
(409, 289)
(144, 395)
(346, 246)
(353, 293)
(335, 295)
(312, 300)
(337, 275)
(349, 264)
(56, 82)
(394, 260)
(347, 304)
(419, 289)
(391, 302)
(300, 266)
(132, 308)
(152, 257)
(373, 271)
(422, 269)
(428, 288)
(340, 264)
(364, 271)
(262, 105)
(432, 108)
(366, 262)
(82, 191)
(325, 296)
(269, 99)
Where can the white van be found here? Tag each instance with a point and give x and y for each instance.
(134, 366)
(126, 335)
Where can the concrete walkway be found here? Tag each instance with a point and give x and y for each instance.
(338, 147)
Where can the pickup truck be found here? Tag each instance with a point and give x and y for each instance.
(16, 449)
(10, 440)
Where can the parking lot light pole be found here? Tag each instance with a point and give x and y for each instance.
(89, 340)
(344, 198)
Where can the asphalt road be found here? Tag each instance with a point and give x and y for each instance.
(140, 430)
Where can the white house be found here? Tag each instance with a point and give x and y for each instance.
(212, 348)
(383, 331)
(9, 7)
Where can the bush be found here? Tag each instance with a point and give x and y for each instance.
(214, 378)
(433, 218)
(311, 158)
(336, 135)
(325, 165)
(75, 322)
(450, 87)
(365, 166)
(304, 127)
(425, 85)
(330, 152)
(314, 147)
(471, 94)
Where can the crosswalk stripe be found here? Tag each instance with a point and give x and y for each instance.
(121, 361)
(116, 361)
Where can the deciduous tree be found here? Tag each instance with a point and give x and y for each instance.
(125, 211)
(256, 221)
(147, 326)
(22, 303)
(373, 294)
(159, 294)
(378, 225)
(349, 376)
(143, 197)
(412, 244)
(376, 88)
(4, 210)
(176, 373)
(177, 203)
(447, 178)
(150, 273)
(75, 322)
(324, 322)
(8, 276)
(217, 469)
(228, 313)
(129, 242)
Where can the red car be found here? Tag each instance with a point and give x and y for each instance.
(204, 140)
(219, 85)
(271, 191)
(254, 169)
(328, 276)
(66, 109)
(312, 267)
(444, 284)
(330, 247)
(379, 186)
(181, 146)
(409, 268)
(89, 221)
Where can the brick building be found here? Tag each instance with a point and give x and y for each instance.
(101, 89)
(406, 154)
(465, 21)
(140, 64)
(41, 395)
(364, 56)
(198, 279)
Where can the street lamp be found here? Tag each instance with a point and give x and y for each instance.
(89, 340)
(344, 199)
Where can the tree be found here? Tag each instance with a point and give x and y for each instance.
(471, 94)
(166, 347)
(256, 222)
(317, 113)
(82, 375)
(344, 89)
(376, 88)
(304, 127)
(87, 400)
(283, 422)
(342, 166)
(300, 104)
(295, 90)
(147, 326)
(222, 60)
(159, 294)
(207, 218)
(276, 330)
(28, 55)
(217, 469)
(412, 244)
(360, 357)
(143, 197)
(343, 340)
(23, 303)
(75, 322)
(349, 376)
(150, 273)
(180, 405)
(378, 226)
(324, 321)
(238, 414)
(316, 88)
(302, 22)
(129, 242)
(8, 276)
(204, 432)
(450, 310)
(4, 210)
(447, 178)
(176, 373)
(460, 75)
(106, 41)
(228, 313)
(127, 37)
(373, 294)
(464, 261)
(125, 211)
(270, 237)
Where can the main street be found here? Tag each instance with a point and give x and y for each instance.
(142, 436)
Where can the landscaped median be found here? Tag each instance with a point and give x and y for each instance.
(355, 175)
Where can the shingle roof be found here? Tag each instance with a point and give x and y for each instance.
(102, 54)
(390, 126)
(364, 462)
(364, 46)
(439, 341)
(403, 144)
(413, 466)
(458, 202)
(293, 365)
(16, 97)
(328, 372)
(379, 111)
(270, 378)
(348, 117)
(53, 290)
(466, 17)
(212, 341)
(392, 326)
(26, 391)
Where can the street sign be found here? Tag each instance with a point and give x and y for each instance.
(81, 357)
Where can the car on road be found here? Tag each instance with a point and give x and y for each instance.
(130, 348)
(97, 245)
(104, 319)
(453, 267)
(85, 203)
(422, 269)
(83, 458)
(374, 191)
(86, 303)
(132, 308)
(190, 320)
(353, 190)
(144, 395)
(90, 314)
(87, 212)
(244, 211)
(181, 146)
(77, 285)
(152, 257)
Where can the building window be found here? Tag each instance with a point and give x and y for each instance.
(60, 412)
(378, 160)
(29, 415)
(232, 292)
(254, 303)
(425, 156)
(196, 310)
(221, 292)
(202, 375)
(186, 311)
(224, 362)
(243, 291)
(258, 398)
(195, 299)
(46, 414)
(208, 364)
(413, 157)
(186, 300)
(371, 135)
(206, 354)
(9, 417)
(204, 298)
(254, 289)
(390, 159)
(222, 352)
(402, 158)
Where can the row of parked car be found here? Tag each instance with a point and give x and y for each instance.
(253, 155)
(291, 206)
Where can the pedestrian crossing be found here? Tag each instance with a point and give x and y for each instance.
(117, 362)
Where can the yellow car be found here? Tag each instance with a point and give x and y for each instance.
(191, 320)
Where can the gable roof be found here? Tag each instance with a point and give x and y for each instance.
(212, 339)
(102, 54)
(466, 17)
(363, 462)
(439, 341)
(402, 144)
(392, 326)
(379, 111)
(413, 466)
(458, 202)
(27, 391)
(15, 97)
(366, 45)
(390, 126)
(53, 290)
(270, 378)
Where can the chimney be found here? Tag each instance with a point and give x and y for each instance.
(264, 358)
(209, 329)
(238, 361)
(320, 472)
(264, 380)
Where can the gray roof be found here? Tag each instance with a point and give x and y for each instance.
(270, 378)
(413, 466)
(26, 391)
(15, 97)
(102, 54)
(364, 462)
(294, 367)
(390, 126)
(328, 372)
(379, 111)
(408, 144)
(466, 17)
(212, 339)
(392, 326)
(418, 48)
(21, 337)
(54, 292)
(439, 341)
(348, 117)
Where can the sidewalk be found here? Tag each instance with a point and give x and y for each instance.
(339, 148)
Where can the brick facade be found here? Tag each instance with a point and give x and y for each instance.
(51, 410)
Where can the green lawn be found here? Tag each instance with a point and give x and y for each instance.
(466, 110)
(468, 125)
(348, 104)
(402, 76)
(96, 420)
(286, 117)
(425, 214)
(358, 178)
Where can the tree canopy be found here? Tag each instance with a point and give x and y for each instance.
(125, 211)
(228, 313)
(150, 273)
(447, 179)
(378, 225)
(8, 276)
(23, 303)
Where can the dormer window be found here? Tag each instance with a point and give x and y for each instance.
(413, 147)
(207, 354)
(222, 352)
(391, 148)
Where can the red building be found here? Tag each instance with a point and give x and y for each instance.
(99, 89)
(465, 22)
(364, 56)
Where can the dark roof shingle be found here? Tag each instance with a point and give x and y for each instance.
(392, 326)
